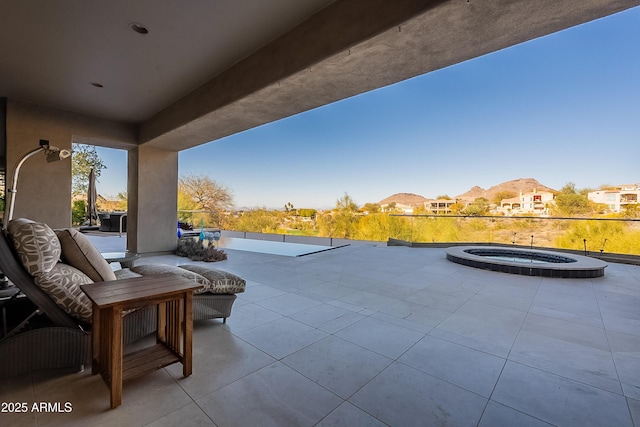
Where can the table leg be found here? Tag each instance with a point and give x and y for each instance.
(95, 339)
(161, 331)
(116, 356)
(187, 331)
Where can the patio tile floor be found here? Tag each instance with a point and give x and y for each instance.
(324, 340)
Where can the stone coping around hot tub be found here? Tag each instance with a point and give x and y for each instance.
(583, 267)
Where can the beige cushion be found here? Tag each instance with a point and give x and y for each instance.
(125, 273)
(80, 253)
(62, 284)
(222, 282)
(37, 245)
(151, 269)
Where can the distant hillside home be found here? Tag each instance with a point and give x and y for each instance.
(535, 202)
(402, 202)
(406, 209)
(618, 197)
(440, 206)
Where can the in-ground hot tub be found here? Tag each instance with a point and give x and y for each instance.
(528, 262)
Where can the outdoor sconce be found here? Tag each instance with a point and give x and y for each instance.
(52, 153)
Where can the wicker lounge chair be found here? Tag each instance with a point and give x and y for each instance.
(51, 335)
(46, 336)
(213, 301)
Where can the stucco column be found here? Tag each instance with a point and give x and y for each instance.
(44, 189)
(152, 200)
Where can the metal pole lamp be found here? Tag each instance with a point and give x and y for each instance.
(52, 153)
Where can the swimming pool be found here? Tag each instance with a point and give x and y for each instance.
(110, 243)
(270, 247)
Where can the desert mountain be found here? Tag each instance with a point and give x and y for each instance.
(473, 194)
(515, 186)
(408, 199)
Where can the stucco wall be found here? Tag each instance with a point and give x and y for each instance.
(44, 189)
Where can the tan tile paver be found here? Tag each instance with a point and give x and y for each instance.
(323, 340)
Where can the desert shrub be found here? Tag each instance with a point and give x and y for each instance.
(607, 235)
(212, 254)
(195, 251)
(78, 212)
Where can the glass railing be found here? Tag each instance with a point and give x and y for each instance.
(611, 235)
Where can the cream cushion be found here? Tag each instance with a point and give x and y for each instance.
(125, 273)
(151, 269)
(222, 282)
(80, 253)
(36, 244)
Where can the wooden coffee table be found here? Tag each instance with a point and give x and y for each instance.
(172, 294)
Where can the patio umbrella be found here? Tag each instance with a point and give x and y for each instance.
(92, 196)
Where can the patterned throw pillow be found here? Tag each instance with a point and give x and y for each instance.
(79, 252)
(62, 284)
(151, 269)
(37, 245)
(222, 282)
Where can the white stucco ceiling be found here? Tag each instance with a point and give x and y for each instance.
(211, 68)
(52, 50)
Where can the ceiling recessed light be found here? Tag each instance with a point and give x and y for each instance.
(94, 84)
(139, 28)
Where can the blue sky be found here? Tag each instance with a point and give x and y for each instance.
(561, 108)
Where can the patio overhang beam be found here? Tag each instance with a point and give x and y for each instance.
(354, 46)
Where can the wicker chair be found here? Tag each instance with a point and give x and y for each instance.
(212, 306)
(216, 303)
(48, 337)
(204, 306)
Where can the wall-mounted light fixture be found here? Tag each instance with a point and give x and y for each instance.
(52, 153)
